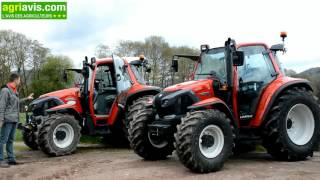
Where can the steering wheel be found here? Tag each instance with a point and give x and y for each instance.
(217, 76)
(251, 86)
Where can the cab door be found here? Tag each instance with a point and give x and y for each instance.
(123, 83)
(256, 73)
(104, 90)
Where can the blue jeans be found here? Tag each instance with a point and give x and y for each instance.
(7, 136)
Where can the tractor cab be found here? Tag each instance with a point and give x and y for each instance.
(243, 75)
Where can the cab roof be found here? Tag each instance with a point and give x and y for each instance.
(110, 60)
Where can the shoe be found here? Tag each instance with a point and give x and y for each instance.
(4, 165)
(14, 163)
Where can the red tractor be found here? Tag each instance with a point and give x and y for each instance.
(112, 90)
(238, 94)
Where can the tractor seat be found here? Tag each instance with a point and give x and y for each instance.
(103, 102)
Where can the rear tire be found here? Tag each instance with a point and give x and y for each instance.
(30, 139)
(292, 128)
(59, 135)
(139, 137)
(204, 140)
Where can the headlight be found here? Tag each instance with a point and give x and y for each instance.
(164, 103)
(150, 100)
(72, 102)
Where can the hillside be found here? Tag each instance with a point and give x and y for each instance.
(312, 74)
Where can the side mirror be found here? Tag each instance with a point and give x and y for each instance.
(148, 68)
(204, 47)
(277, 47)
(93, 60)
(238, 58)
(118, 77)
(174, 65)
(65, 76)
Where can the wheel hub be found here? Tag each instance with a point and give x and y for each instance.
(300, 124)
(61, 135)
(207, 141)
(289, 124)
(211, 141)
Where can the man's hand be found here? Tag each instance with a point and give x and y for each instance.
(1, 123)
(30, 97)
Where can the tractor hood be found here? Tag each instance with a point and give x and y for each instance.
(177, 98)
(63, 94)
(202, 88)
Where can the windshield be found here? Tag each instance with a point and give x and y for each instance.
(212, 63)
(138, 73)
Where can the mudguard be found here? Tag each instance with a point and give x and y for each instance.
(64, 108)
(271, 93)
(216, 103)
(150, 90)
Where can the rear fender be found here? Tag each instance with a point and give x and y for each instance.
(271, 94)
(216, 103)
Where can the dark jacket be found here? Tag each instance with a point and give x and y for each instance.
(9, 105)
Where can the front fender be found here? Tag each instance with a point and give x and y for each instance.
(134, 94)
(171, 99)
(216, 103)
(62, 107)
(206, 102)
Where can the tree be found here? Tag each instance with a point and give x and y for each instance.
(37, 57)
(50, 75)
(102, 51)
(21, 55)
(159, 53)
(186, 66)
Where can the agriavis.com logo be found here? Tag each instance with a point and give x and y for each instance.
(33, 10)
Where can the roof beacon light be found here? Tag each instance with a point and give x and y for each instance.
(141, 57)
(283, 35)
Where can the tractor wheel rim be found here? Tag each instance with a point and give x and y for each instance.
(63, 135)
(300, 124)
(158, 143)
(211, 141)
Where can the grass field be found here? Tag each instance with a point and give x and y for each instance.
(84, 139)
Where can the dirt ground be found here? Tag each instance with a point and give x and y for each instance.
(96, 162)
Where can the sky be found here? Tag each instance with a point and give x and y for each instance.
(181, 22)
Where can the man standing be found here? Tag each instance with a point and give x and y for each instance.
(9, 118)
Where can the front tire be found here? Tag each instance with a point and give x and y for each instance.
(292, 128)
(140, 138)
(204, 140)
(30, 139)
(59, 135)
